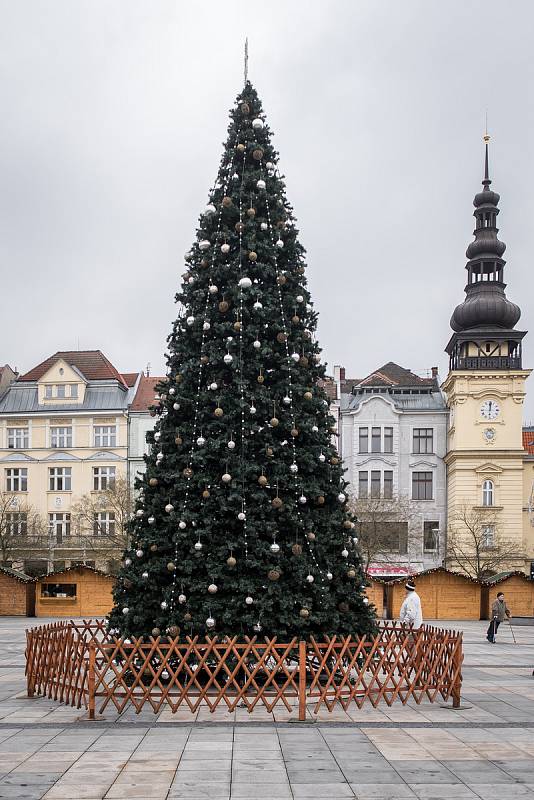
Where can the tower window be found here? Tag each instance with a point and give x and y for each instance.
(487, 493)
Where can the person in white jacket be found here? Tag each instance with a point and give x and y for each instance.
(411, 613)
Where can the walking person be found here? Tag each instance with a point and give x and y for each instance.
(411, 612)
(499, 612)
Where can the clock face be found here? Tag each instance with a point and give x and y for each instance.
(490, 409)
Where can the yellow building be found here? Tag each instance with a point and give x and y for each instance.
(485, 390)
(528, 495)
(63, 435)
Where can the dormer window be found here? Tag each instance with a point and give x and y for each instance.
(61, 391)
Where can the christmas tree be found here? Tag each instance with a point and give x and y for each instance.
(242, 523)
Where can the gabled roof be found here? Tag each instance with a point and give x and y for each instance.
(129, 378)
(502, 576)
(80, 568)
(528, 440)
(93, 365)
(144, 397)
(19, 576)
(392, 374)
(432, 571)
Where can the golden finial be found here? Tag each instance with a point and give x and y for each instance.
(486, 135)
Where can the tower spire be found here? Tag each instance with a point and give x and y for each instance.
(486, 182)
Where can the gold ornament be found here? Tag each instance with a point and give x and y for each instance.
(277, 502)
(281, 337)
(223, 306)
(204, 359)
(295, 319)
(281, 224)
(231, 561)
(245, 108)
(303, 361)
(239, 227)
(173, 630)
(188, 472)
(270, 452)
(187, 616)
(351, 573)
(296, 549)
(218, 412)
(274, 422)
(251, 212)
(205, 494)
(237, 326)
(178, 440)
(204, 263)
(178, 378)
(301, 270)
(262, 480)
(281, 280)
(273, 574)
(171, 567)
(153, 548)
(252, 256)
(308, 396)
(347, 524)
(294, 432)
(334, 460)
(260, 379)
(304, 613)
(153, 482)
(320, 500)
(127, 583)
(227, 202)
(155, 632)
(257, 154)
(240, 148)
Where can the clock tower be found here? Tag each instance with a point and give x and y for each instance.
(485, 389)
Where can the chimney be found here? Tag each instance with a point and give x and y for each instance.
(342, 373)
(434, 372)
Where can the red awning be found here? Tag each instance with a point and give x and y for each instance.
(388, 571)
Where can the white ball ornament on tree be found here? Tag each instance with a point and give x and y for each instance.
(144, 575)
(182, 598)
(342, 497)
(354, 540)
(260, 184)
(303, 499)
(172, 391)
(204, 245)
(257, 628)
(345, 553)
(310, 578)
(125, 610)
(160, 456)
(257, 124)
(293, 468)
(263, 226)
(213, 289)
(365, 601)
(279, 243)
(245, 282)
(127, 562)
(315, 429)
(252, 409)
(249, 600)
(201, 441)
(163, 604)
(139, 513)
(231, 445)
(206, 326)
(226, 478)
(157, 436)
(210, 622)
(257, 306)
(269, 165)
(213, 386)
(176, 406)
(210, 209)
(322, 458)
(198, 546)
(225, 248)
(228, 358)
(299, 298)
(274, 548)
(295, 357)
(329, 576)
(256, 344)
(190, 320)
(139, 553)
(169, 508)
(182, 525)
(212, 588)
(287, 400)
(242, 516)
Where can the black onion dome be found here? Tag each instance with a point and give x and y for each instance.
(486, 306)
(486, 244)
(486, 198)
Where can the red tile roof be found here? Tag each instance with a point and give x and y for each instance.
(93, 364)
(392, 374)
(528, 440)
(129, 378)
(144, 396)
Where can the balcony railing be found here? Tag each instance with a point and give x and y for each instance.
(487, 362)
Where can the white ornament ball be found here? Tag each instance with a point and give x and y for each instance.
(279, 243)
(210, 209)
(315, 429)
(190, 320)
(249, 600)
(139, 513)
(191, 281)
(299, 298)
(345, 553)
(287, 400)
(228, 358)
(213, 386)
(329, 576)
(269, 165)
(294, 469)
(295, 357)
(213, 289)
(176, 406)
(157, 436)
(275, 548)
(182, 598)
(160, 455)
(127, 562)
(366, 601)
(260, 184)
(204, 244)
(125, 611)
(354, 540)
(252, 409)
(139, 553)
(163, 604)
(322, 458)
(226, 477)
(206, 326)
(256, 344)
(264, 226)
(341, 497)
(245, 283)
(210, 622)
(144, 575)
(257, 305)
(212, 588)
(182, 525)
(302, 499)
(310, 578)
(242, 516)
(257, 627)
(172, 391)
(169, 508)
(151, 520)
(257, 124)
(231, 445)
(198, 546)
(201, 441)
(225, 248)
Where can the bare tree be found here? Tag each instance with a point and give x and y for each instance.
(385, 532)
(476, 546)
(102, 517)
(18, 521)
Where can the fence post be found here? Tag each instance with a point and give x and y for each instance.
(302, 680)
(30, 679)
(458, 658)
(91, 679)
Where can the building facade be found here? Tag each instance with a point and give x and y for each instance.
(392, 437)
(485, 390)
(140, 422)
(63, 436)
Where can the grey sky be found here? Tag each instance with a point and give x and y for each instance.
(113, 114)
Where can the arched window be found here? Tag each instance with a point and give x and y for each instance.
(487, 493)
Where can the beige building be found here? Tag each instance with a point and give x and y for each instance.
(485, 390)
(63, 435)
(528, 496)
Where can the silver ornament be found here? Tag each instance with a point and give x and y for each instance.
(203, 245)
(231, 445)
(274, 548)
(279, 243)
(245, 283)
(302, 499)
(151, 520)
(366, 601)
(163, 604)
(257, 305)
(210, 622)
(257, 124)
(206, 326)
(329, 576)
(212, 588)
(264, 226)
(257, 627)
(269, 165)
(228, 358)
(213, 289)
(144, 575)
(182, 525)
(127, 562)
(125, 610)
(176, 406)
(182, 598)
(345, 553)
(299, 298)
(322, 458)
(169, 508)
(341, 497)
(293, 468)
(213, 386)
(225, 248)
(139, 513)
(201, 441)
(287, 400)
(226, 477)
(242, 516)
(252, 410)
(157, 436)
(198, 546)
(172, 390)
(190, 320)
(354, 540)
(249, 600)
(310, 578)
(295, 357)
(139, 553)
(261, 184)
(257, 344)
(315, 429)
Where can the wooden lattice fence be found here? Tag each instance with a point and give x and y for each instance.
(82, 665)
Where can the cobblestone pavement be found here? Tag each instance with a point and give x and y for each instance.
(485, 750)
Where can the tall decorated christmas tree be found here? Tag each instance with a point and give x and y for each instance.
(242, 524)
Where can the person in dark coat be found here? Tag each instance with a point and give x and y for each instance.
(499, 612)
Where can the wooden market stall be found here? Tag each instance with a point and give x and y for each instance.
(17, 593)
(375, 591)
(518, 591)
(79, 591)
(444, 595)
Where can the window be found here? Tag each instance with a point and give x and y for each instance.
(376, 440)
(423, 440)
(363, 476)
(105, 436)
(74, 390)
(375, 483)
(61, 590)
(364, 440)
(388, 484)
(394, 536)
(488, 536)
(487, 493)
(16, 480)
(430, 536)
(17, 523)
(60, 390)
(60, 479)
(104, 523)
(421, 486)
(18, 438)
(59, 526)
(61, 436)
(103, 478)
(388, 440)
(48, 392)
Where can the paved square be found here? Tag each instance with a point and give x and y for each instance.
(485, 750)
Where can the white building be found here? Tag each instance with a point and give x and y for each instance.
(140, 421)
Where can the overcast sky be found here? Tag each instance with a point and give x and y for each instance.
(113, 114)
